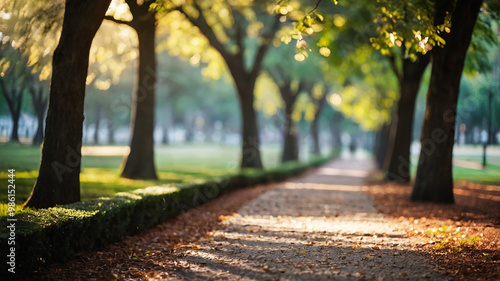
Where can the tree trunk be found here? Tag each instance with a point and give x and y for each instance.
(290, 140)
(315, 125)
(434, 181)
(59, 176)
(382, 144)
(402, 128)
(14, 136)
(140, 161)
(335, 131)
(164, 138)
(97, 123)
(40, 106)
(38, 138)
(250, 156)
(13, 94)
(316, 150)
(111, 131)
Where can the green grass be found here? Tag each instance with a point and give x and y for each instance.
(100, 174)
(489, 176)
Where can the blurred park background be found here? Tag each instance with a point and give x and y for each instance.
(343, 85)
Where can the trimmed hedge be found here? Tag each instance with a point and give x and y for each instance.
(57, 233)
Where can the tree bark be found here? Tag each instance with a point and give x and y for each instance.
(40, 102)
(14, 98)
(140, 161)
(97, 123)
(164, 138)
(250, 152)
(399, 153)
(316, 149)
(111, 131)
(290, 139)
(381, 144)
(58, 180)
(335, 131)
(16, 113)
(434, 181)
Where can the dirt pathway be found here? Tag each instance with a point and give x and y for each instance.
(320, 226)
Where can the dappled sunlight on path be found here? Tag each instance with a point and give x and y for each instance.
(319, 226)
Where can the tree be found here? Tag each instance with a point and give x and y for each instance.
(288, 76)
(140, 161)
(289, 93)
(58, 180)
(14, 75)
(318, 95)
(398, 152)
(434, 181)
(233, 43)
(32, 26)
(39, 97)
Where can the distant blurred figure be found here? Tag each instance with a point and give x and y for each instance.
(352, 145)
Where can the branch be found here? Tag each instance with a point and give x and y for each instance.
(259, 57)
(239, 36)
(111, 18)
(277, 76)
(4, 93)
(207, 31)
(314, 8)
(394, 67)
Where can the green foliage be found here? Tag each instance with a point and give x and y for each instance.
(483, 48)
(55, 234)
(407, 24)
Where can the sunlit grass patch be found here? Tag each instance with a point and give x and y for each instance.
(100, 174)
(489, 176)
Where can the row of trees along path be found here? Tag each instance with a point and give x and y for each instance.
(319, 226)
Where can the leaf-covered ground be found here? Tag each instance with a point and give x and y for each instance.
(322, 225)
(462, 239)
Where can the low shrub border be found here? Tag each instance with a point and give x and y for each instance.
(55, 234)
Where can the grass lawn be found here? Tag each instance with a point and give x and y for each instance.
(100, 174)
(489, 176)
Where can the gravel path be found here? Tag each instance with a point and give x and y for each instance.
(320, 226)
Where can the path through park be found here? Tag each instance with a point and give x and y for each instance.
(319, 226)
(316, 227)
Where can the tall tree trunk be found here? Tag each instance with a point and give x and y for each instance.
(381, 144)
(140, 161)
(164, 138)
(316, 150)
(97, 123)
(41, 107)
(59, 175)
(315, 124)
(250, 152)
(290, 139)
(111, 131)
(402, 128)
(434, 181)
(40, 102)
(335, 131)
(13, 91)
(14, 136)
